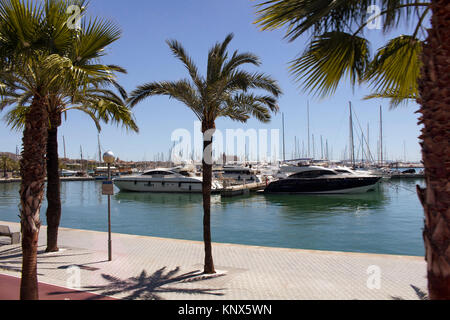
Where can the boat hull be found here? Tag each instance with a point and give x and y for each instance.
(323, 186)
(159, 186)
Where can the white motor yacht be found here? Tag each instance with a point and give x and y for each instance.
(239, 174)
(175, 180)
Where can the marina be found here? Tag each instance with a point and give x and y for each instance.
(386, 221)
(175, 151)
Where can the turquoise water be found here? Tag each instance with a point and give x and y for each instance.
(388, 221)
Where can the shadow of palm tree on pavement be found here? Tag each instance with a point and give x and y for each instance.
(150, 287)
(420, 294)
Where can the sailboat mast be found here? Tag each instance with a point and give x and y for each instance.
(295, 148)
(404, 151)
(352, 145)
(321, 148)
(314, 148)
(99, 150)
(362, 148)
(309, 136)
(369, 155)
(381, 136)
(284, 146)
(64, 144)
(81, 154)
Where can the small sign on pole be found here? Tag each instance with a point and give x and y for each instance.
(108, 188)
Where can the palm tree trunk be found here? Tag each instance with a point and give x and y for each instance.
(435, 141)
(206, 190)
(53, 185)
(33, 171)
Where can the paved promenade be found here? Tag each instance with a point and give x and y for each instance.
(155, 268)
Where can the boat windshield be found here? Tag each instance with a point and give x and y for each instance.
(342, 171)
(158, 173)
(313, 174)
(237, 171)
(185, 173)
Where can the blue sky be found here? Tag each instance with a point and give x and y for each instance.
(198, 24)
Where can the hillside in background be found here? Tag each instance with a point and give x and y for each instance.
(10, 155)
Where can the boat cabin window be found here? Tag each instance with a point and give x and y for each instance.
(313, 174)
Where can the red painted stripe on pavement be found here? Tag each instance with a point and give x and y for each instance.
(10, 290)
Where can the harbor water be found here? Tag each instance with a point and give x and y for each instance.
(386, 221)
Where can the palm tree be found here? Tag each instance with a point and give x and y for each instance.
(100, 105)
(38, 75)
(35, 64)
(408, 67)
(84, 47)
(224, 92)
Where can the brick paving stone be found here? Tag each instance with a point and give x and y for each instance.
(156, 268)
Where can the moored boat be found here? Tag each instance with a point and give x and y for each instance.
(175, 180)
(320, 180)
(240, 174)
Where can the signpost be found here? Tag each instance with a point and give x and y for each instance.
(108, 189)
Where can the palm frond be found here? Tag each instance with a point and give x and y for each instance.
(244, 105)
(95, 36)
(396, 98)
(15, 118)
(40, 55)
(223, 92)
(323, 16)
(192, 69)
(181, 90)
(329, 59)
(217, 56)
(396, 68)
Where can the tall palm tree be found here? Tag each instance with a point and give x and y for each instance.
(34, 59)
(39, 74)
(408, 67)
(224, 92)
(83, 47)
(99, 104)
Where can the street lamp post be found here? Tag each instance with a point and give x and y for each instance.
(108, 158)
